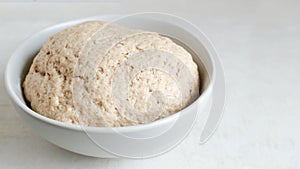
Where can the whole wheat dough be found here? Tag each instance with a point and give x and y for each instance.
(100, 74)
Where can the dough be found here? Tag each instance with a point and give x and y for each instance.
(100, 74)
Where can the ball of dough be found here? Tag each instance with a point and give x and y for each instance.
(100, 74)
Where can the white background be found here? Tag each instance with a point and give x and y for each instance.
(259, 46)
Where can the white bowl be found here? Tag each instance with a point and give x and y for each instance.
(129, 142)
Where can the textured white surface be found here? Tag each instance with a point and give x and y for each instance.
(258, 43)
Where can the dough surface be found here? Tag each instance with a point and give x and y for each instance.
(100, 74)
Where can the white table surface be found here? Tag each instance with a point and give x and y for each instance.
(259, 46)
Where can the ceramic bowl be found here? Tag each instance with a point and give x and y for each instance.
(139, 141)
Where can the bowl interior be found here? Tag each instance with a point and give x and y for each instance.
(180, 31)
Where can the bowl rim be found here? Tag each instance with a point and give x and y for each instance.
(198, 33)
